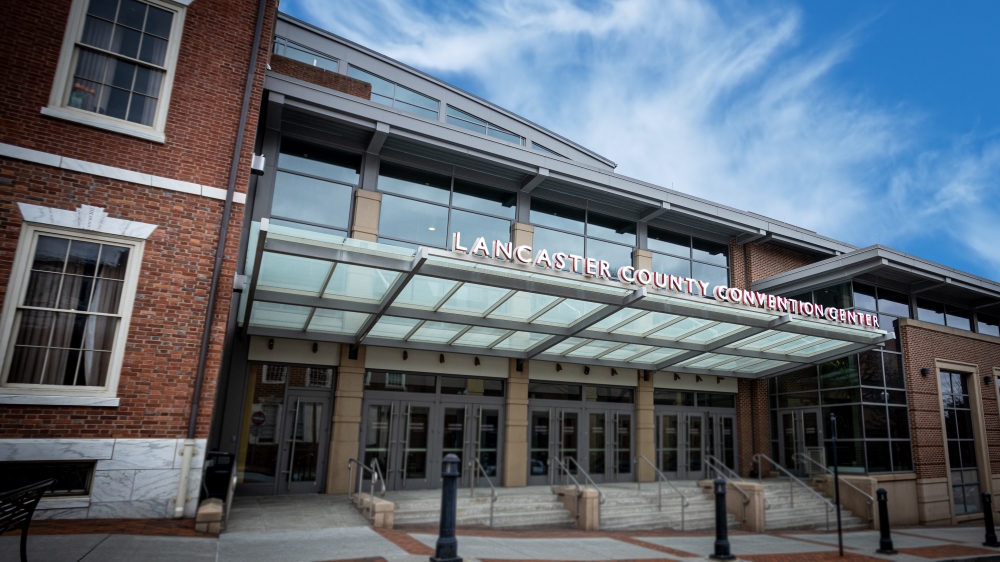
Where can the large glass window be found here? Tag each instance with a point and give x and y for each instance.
(313, 187)
(424, 208)
(961, 442)
(285, 48)
(541, 148)
(944, 314)
(571, 230)
(467, 121)
(685, 256)
(389, 93)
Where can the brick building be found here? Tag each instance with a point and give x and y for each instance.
(420, 272)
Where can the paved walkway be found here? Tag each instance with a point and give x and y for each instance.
(111, 541)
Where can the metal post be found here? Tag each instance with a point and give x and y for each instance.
(721, 523)
(884, 540)
(836, 484)
(447, 544)
(991, 534)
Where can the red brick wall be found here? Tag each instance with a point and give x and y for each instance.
(921, 346)
(316, 75)
(164, 339)
(762, 261)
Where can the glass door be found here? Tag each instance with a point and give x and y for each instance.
(453, 436)
(721, 438)
(800, 432)
(377, 438)
(598, 445)
(692, 446)
(305, 442)
(556, 433)
(668, 445)
(570, 440)
(484, 442)
(620, 453)
(540, 444)
(413, 445)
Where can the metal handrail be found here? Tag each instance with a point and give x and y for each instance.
(714, 464)
(720, 466)
(600, 493)
(565, 471)
(868, 499)
(660, 477)
(376, 473)
(792, 479)
(476, 468)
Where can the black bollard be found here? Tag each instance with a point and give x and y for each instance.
(991, 533)
(447, 544)
(836, 484)
(884, 540)
(721, 523)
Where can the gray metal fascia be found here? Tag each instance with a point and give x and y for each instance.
(816, 273)
(299, 335)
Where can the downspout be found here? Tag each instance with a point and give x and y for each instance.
(217, 268)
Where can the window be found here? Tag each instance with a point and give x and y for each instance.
(422, 208)
(285, 48)
(689, 257)
(73, 479)
(583, 232)
(467, 121)
(117, 65)
(66, 317)
(946, 315)
(393, 95)
(961, 441)
(541, 148)
(987, 324)
(313, 187)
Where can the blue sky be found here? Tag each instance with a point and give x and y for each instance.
(871, 122)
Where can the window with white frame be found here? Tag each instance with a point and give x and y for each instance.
(66, 315)
(117, 65)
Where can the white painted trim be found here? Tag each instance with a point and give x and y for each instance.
(59, 95)
(32, 400)
(15, 296)
(103, 122)
(93, 168)
(94, 219)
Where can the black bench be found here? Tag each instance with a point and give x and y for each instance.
(17, 507)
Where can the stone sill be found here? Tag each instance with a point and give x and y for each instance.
(38, 400)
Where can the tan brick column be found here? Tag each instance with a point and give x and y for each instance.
(522, 234)
(344, 439)
(367, 205)
(515, 452)
(645, 429)
(643, 259)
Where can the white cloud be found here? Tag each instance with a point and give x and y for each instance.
(716, 100)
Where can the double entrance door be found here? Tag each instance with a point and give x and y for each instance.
(684, 440)
(599, 440)
(801, 431)
(409, 438)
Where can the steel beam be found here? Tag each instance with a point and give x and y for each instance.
(258, 257)
(400, 283)
(600, 314)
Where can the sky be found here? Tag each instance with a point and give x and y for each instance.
(874, 122)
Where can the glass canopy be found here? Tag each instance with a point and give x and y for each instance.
(318, 286)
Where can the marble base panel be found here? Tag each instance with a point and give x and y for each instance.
(133, 478)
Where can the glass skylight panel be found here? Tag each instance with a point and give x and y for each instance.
(841, 328)
(657, 355)
(521, 341)
(473, 299)
(713, 333)
(522, 305)
(436, 332)
(737, 362)
(568, 312)
(592, 349)
(358, 282)
(705, 304)
(392, 327)
(647, 323)
(336, 321)
(563, 346)
(767, 339)
(827, 345)
(424, 292)
(705, 361)
(627, 352)
(480, 337)
(615, 319)
(513, 272)
(802, 342)
(293, 273)
(274, 315)
(674, 331)
(762, 366)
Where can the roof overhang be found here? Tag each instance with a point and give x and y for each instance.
(315, 286)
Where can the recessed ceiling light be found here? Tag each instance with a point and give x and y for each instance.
(431, 228)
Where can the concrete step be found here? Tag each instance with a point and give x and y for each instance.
(509, 511)
(662, 520)
(553, 518)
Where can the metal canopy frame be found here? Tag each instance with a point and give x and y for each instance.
(612, 296)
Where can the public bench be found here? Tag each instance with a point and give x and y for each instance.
(16, 508)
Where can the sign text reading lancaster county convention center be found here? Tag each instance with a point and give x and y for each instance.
(592, 267)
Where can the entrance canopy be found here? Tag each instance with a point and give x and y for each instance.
(316, 286)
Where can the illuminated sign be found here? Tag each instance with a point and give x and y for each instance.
(591, 267)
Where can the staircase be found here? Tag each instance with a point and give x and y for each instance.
(809, 512)
(629, 508)
(536, 508)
